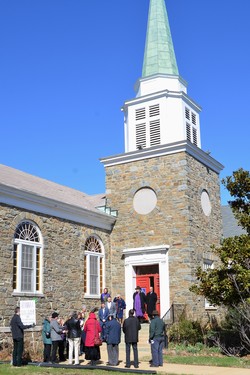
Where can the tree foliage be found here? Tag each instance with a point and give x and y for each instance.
(239, 187)
(229, 283)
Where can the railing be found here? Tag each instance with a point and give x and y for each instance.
(168, 317)
(173, 314)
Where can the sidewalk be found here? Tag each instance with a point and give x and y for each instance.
(171, 368)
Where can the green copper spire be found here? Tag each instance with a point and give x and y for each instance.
(159, 56)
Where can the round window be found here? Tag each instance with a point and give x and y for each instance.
(205, 203)
(144, 201)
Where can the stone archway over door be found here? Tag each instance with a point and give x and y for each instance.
(147, 257)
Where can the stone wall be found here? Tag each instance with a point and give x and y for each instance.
(63, 265)
(33, 344)
(177, 220)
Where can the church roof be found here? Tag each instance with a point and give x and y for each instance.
(159, 55)
(230, 224)
(25, 182)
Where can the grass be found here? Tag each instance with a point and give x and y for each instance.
(198, 354)
(202, 355)
(202, 360)
(25, 370)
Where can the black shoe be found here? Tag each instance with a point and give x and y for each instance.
(127, 366)
(136, 366)
(153, 365)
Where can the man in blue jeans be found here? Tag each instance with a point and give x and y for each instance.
(157, 339)
(17, 328)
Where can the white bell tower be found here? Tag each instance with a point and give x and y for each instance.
(162, 113)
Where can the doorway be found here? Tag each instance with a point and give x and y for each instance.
(147, 276)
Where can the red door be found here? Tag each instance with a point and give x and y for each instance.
(147, 276)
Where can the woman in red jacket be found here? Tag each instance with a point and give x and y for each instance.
(92, 329)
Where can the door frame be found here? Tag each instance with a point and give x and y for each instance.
(145, 256)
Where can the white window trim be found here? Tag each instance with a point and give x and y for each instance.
(34, 292)
(208, 264)
(101, 257)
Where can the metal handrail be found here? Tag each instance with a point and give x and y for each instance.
(170, 312)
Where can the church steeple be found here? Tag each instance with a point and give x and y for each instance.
(159, 55)
(162, 114)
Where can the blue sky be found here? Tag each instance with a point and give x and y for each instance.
(67, 66)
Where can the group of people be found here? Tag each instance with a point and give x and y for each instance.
(79, 334)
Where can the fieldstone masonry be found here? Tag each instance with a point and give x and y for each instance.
(178, 219)
(63, 265)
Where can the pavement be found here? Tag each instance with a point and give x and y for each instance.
(144, 367)
(144, 352)
(173, 368)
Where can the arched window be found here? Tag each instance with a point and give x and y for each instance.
(93, 270)
(27, 259)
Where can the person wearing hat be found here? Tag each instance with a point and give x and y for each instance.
(156, 339)
(113, 339)
(56, 338)
(139, 300)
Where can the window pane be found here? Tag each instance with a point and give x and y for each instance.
(15, 267)
(38, 261)
(27, 268)
(93, 273)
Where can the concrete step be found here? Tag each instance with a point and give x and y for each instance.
(144, 349)
(143, 345)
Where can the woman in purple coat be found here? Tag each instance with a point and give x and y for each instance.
(139, 299)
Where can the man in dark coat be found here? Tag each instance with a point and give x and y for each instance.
(113, 339)
(131, 327)
(157, 339)
(17, 328)
(74, 333)
(151, 300)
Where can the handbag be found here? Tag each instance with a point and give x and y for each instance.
(97, 340)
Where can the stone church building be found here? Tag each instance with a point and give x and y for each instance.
(153, 226)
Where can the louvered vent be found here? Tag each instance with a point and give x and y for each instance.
(187, 113)
(140, 135)
(140, 114)
(188, 131)
(155, 135)
(193, 118)
(154, 110)
(195, 136)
